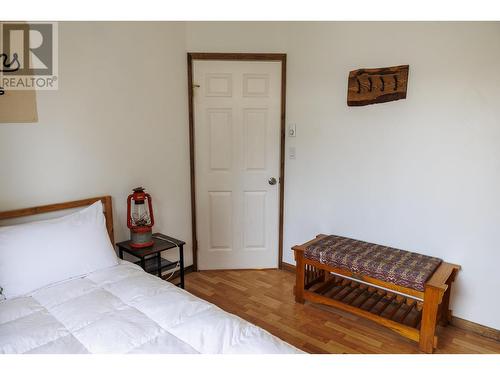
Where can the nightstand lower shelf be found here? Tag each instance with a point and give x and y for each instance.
(151, 265)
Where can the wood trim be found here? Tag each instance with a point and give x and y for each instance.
(282, 162)
(467, 325)
(236, 57)
(288, 267)
(106, 202)
(238, 269)
(191, 162)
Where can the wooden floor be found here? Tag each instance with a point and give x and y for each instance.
(265, 298)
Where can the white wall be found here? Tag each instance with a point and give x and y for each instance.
(421, 174)
(119, 120)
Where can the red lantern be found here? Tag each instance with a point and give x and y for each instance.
(140, 219)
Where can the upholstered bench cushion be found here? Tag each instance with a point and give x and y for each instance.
(395, 266)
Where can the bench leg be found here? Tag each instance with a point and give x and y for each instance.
(445, 317)
(432, 297)
(300, 274)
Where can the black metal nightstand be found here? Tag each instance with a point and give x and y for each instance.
(150, 257)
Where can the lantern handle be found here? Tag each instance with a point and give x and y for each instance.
(150, 205)
(129, 218)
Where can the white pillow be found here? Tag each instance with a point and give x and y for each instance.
(37, 254)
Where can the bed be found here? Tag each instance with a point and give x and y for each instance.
(119, 309)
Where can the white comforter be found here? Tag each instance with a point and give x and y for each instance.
(123, 309)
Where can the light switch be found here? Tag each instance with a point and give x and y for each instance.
(292, 130)
(291, 152)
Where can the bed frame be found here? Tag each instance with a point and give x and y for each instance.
(411, 313)
(106, 203)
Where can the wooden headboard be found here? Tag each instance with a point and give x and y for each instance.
(106, 202)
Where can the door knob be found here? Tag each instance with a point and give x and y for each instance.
(272, 181)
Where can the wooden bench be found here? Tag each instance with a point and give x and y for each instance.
(409, 307)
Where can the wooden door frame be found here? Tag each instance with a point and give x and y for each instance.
(280, 57)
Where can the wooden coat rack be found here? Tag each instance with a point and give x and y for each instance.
(370, 86)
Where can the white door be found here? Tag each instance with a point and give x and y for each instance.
(237, 141)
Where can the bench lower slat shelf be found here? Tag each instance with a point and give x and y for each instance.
(395, 308)
(409, 332)
(411, 313)
(372, 301)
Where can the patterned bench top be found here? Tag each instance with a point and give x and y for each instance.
(395, 266)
